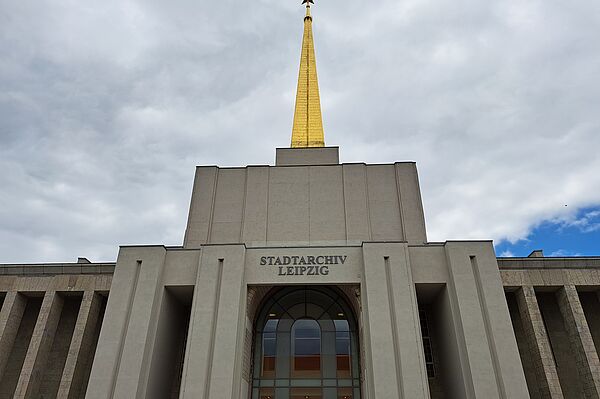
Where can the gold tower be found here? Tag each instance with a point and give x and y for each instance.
(308, 124)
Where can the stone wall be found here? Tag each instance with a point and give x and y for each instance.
(554, 310)
(49, 325)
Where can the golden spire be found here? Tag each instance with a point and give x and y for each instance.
(308, 125)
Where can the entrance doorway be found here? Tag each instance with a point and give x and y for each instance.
(307, 393)
(306, 346)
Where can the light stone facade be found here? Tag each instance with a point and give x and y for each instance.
(181, 321)
(307, 279)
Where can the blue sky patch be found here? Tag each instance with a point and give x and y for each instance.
(575, 236)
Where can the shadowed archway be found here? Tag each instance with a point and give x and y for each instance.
(305, 345)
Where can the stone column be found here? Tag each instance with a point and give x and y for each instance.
(140, 331)
(39, 346)
(582, 343)
(392, 331)
(538, 343)
(122, 361)
(487, 349)
(10, 320)
(81, 342)
(213, 361)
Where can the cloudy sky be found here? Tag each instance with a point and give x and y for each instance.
(107, 106)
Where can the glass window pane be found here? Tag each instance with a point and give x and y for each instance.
(307, 363)
(344, 393)
(306, 328)
(343, 366)
(342, 346)
(329, 393)
(305, 393)
(306, 340)
(307, 346)
(271, 325)
(341, 325)
(269, 344)
(269, 347)
(268, 367)
(307, 349)
(268, 370)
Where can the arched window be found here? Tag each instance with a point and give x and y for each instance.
(306, 346)
(306, 349)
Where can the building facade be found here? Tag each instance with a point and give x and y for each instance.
(305, 279)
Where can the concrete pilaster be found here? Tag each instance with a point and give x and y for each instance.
(80, 342)
(487, 348)
(582, 343)
(122, 361)
(394, 343)
(213, 364)
(10, 320)
(39, 346)
(538, 343)
(134, 366)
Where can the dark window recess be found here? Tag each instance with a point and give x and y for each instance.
(427, 344)
(306, 346)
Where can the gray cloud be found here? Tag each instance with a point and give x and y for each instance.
(105, 109)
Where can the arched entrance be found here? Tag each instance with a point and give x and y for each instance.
(306, 346)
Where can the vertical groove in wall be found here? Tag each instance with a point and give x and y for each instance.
(400, 204)
(212, 206)
(268, 205)
(309, 180)
(240, 339)
(488, 327)
(367, 203)
(344, 203)
(213, 332)
(367, 351)
(244, 205)
(390, 292)
(138, 267)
